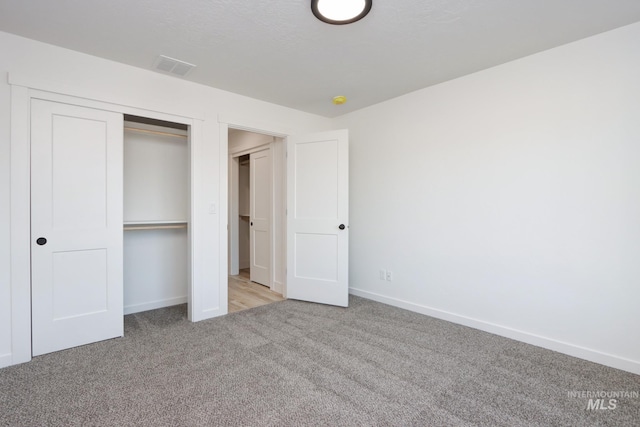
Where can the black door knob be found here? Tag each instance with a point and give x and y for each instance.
(341, 227)
(41, 241)
(252, 223)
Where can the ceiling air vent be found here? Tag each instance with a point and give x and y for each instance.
(173, 66)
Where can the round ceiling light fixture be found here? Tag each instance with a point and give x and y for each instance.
(340, 12)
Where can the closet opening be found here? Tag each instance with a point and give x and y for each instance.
(256, 220)
(156, 214)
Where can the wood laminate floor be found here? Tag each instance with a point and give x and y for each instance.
(244, 294)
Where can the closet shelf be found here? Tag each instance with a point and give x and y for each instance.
(154, 225)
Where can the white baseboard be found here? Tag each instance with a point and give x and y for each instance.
(152, 305)
(548, 343)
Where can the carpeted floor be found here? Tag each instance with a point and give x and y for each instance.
(297, 364)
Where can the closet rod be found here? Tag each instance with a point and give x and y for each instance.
(155, 132)
(152, 227)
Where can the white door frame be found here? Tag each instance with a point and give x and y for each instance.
(226, 229)
(20, 244)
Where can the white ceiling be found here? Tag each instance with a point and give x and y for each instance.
(277, 51)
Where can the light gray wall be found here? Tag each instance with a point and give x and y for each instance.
(509, 199)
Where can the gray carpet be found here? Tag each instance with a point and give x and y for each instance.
(296, 364)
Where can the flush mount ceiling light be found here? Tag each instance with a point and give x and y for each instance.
(340, 12)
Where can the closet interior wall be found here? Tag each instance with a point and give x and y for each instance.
(156, 214)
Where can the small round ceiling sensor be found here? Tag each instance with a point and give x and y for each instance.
(339, 100)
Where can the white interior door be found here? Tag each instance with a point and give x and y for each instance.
(318, 218)
(260, 216)
(76, 225)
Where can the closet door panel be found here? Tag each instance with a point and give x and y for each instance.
(76, 223)
(78, 188)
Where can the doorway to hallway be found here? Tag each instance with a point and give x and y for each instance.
(245, 294)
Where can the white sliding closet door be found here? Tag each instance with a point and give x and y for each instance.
(260, 208)
(76, 225)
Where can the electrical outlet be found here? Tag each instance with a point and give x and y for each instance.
(383, 274)
(389, 275)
